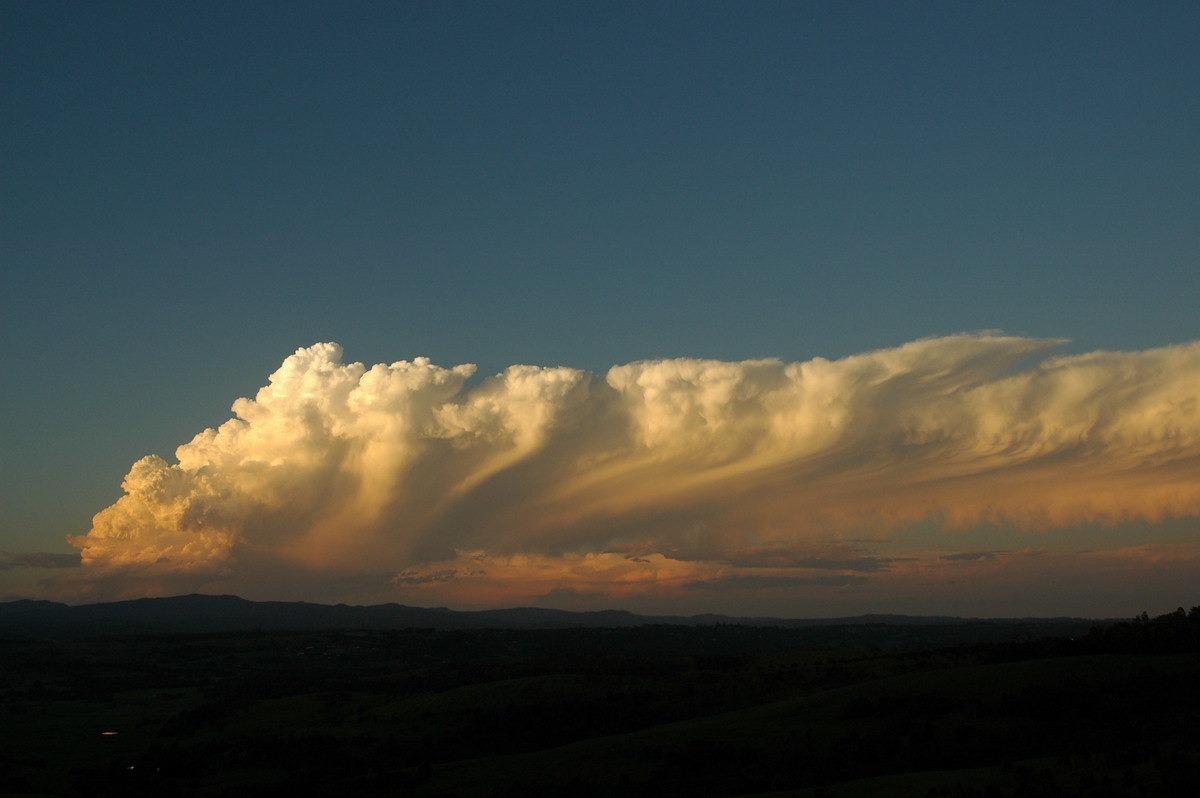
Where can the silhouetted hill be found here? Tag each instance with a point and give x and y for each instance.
(200, 613)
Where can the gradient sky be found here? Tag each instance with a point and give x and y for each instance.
(195, 193)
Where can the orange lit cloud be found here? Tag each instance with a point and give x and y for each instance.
(657, 476)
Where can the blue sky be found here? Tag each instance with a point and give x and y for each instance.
(192, 191)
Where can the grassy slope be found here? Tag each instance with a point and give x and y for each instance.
(915, 715)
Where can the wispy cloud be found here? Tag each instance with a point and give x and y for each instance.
(757, 582)
(972, 556)
(37, 559)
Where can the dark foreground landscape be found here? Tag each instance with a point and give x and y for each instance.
(188, 697)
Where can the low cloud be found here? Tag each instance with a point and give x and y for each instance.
(655, 475)
(756, 582)
(972, 556)
(570, 593)
(831, 555)
(37, 559)
(419, 578)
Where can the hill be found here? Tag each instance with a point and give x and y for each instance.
(654, 709)
(202, 614)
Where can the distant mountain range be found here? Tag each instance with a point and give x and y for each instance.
(200, 613)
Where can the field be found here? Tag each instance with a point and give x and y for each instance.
(653, 710)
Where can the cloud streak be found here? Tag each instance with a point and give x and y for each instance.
(668, 472)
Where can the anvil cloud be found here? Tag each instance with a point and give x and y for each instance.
(659, 477)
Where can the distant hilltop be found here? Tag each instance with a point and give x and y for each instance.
(195, 614)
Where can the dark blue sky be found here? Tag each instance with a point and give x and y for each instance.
(191, 191)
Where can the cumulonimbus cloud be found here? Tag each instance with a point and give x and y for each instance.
(411, 469)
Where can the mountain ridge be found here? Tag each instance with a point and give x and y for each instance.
(196, 612)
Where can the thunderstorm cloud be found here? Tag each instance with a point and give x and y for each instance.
(657, 476)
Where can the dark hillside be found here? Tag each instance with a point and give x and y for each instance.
(657, 709)
(44, 620)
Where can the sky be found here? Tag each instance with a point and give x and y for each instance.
(791, 309)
